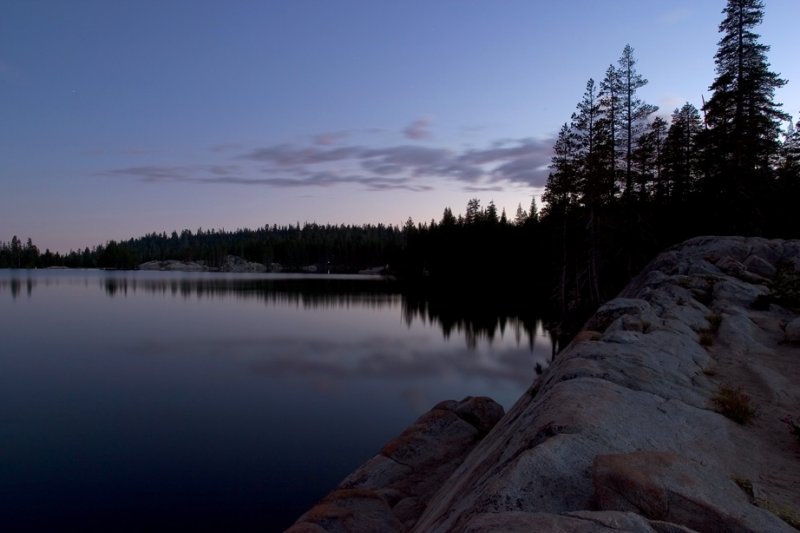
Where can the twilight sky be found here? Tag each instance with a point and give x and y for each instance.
(123, 117)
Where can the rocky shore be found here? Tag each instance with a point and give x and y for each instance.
(674, 410)
(231, 263)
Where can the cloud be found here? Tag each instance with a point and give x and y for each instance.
(510, 162)
(327, 139)
(288, 156)
(418, 130)
(226, 147)
(155, 173)
(235, 175)
(522, 162)
(492, 188)
(407, 155)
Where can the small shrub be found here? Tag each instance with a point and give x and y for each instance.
(784, 512)
(734, 404)
(746, 485)
(705, 337)
(714, 322)
(784, 289)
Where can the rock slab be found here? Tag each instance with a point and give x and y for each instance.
(624, 431)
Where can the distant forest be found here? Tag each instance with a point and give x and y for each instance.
(624, 184)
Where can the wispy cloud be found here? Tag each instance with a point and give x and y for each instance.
(226, 147)
(329, 138)
(418, 130)
(286, 155)
(521, 162)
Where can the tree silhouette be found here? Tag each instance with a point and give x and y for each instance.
(634, 111)
(743, 119)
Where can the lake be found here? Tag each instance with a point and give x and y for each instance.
(134, 401)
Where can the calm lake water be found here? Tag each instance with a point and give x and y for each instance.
(155, 400)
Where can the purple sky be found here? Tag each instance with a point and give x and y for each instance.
(126, 117)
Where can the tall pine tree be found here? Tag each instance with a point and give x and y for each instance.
(681, 154)
(743, 119)
(634, 112)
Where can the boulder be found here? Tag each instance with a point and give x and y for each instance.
(759, 266)
(174, 265)
(234, 263)
(392, 489)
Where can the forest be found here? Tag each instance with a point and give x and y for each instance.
(624, 183)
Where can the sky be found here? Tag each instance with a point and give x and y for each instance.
(125, 117)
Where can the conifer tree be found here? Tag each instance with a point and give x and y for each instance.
(474, 212)
(533, 214)
(633, 111)
(646, 158)
(521, 216)
(681, 153)
(610, 107)
(561, 189)
(586, 135)
(790, 152)
(743, 119)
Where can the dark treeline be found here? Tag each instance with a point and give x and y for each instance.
(340, 248)
(624, 184)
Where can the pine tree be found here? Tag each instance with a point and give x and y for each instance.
(474, 212)
(634, 112)
(447, 218)
(611, 110)
(561, 189)
(533, 214)
(743, 119)
(560, 195)
(490, 215)
(681, 154)
(646, 158)
(521, 216)
(790, 152)
(592, 179)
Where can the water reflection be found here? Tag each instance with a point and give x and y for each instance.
(304, 291)
(477, 317)
(250, 395)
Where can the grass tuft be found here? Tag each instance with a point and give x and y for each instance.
(714, 322)
(734, 404)
(705, 337)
